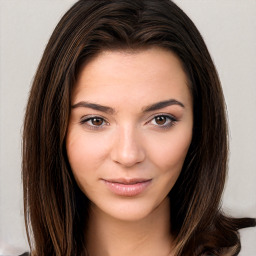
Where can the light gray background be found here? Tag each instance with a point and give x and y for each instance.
(229, 29)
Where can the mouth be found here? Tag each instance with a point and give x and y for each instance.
(127, 187)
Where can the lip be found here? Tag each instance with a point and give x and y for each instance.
(127, 187)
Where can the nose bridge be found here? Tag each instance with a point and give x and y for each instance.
(128, 149)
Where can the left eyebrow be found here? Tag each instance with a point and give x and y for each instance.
(162, 104)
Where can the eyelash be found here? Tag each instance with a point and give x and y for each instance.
(85, 121)
(170, 121)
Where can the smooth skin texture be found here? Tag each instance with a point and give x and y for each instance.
(131, 118)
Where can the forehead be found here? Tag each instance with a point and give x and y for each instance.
(150, 74)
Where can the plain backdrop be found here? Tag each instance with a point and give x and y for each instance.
(229, 29)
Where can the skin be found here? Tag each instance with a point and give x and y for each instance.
(129, 142)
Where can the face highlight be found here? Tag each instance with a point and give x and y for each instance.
(129, 131)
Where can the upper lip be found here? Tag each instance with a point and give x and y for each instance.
(127, 181)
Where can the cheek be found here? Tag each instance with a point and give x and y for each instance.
(169, 152)
(168, 157)
(85, 154)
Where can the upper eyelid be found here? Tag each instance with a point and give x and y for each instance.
(92, 116)
(84, 120)
(163, 114)
(151, 116)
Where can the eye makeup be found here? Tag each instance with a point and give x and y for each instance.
(93, 122)
(161, 121)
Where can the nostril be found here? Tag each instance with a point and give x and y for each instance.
(128, 160)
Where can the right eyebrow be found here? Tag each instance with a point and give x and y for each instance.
(94, 106)
(162, 104)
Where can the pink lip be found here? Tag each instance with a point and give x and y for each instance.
(127, 187)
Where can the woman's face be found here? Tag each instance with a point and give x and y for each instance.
(129, 131)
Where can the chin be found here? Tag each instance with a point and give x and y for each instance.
(132, 215)
(130, 209)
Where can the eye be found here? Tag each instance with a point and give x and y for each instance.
(94, 122)
(160, 120)
(163, 121)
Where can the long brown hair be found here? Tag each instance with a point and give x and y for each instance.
(55, 208)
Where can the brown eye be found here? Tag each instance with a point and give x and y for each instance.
(164, 121)
(160, 120)
(97, 121)
(94, 122)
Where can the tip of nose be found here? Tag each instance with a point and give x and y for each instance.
(127, 149)
(129, 160)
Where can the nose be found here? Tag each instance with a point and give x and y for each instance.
(127, 148)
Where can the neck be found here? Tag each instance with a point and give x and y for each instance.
(149, 236)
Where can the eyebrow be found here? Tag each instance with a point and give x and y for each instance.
(162, 104)
(94, 106)
(109, 110)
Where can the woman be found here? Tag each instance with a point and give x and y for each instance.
(125, 137)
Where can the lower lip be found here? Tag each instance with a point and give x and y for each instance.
(127, 189)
